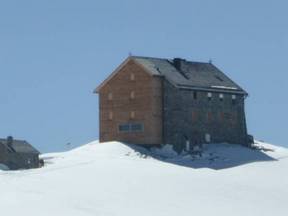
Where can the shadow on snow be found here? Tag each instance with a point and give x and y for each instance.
(213, 156)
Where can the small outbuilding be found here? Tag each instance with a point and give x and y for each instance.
(18, 154)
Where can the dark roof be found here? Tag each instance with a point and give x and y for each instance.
(20, 146)
(191, 75)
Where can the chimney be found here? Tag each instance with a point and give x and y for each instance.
(9, 141)
(178, 63)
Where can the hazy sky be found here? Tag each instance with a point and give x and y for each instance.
(54, 53)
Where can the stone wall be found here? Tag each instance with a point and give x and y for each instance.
(192, 117)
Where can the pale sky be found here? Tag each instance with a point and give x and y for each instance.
(54, 53)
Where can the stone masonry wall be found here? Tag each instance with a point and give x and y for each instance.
(186, 117)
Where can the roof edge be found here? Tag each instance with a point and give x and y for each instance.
(129, 58)
(240, 91)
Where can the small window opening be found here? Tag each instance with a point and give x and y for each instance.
(110, 115)
(132, 114)
(207, 138)
(221, 97)
(132, 76)
(209, 95)
(233, 99)
(187, 145)
(110, 96)
(132, 95)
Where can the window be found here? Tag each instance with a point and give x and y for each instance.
(195, 95)
(136, 127)
(131, 127)
(124, 128)
(132, 76)
(187, 145)
(207, 138)
(132, 95)
(221, 97)
(110, 96)
(110, 115)
(233, 99)
(132, 114)
(209, 95)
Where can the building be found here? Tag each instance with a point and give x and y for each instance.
(18, 154)
(171, 101)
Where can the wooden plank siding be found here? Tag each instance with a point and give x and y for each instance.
(127, 98)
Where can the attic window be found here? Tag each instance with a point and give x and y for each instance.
(219, 78)
(132, 76)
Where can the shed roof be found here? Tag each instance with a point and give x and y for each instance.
(188, 74)
(21, 146)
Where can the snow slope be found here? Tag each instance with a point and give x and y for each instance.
(115, 179)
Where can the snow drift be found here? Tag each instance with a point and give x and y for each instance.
(117, 179)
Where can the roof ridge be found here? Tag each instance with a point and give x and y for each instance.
(148, 57)
(170, 59)
(19, 140)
